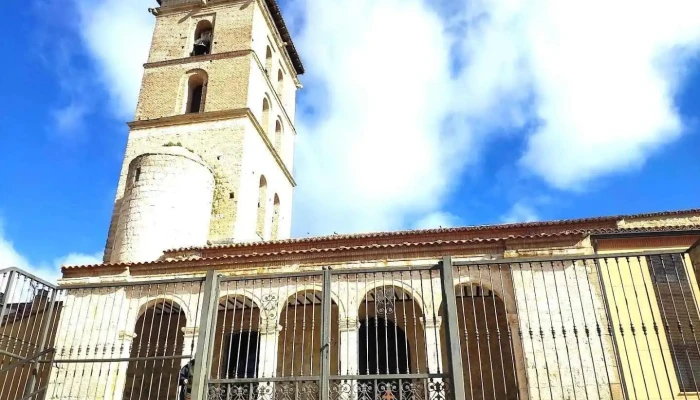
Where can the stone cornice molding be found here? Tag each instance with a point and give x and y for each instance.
(193, 118)
(348, 324)
(127, 336)
(269, 327)
(190, 331)
(430, 322)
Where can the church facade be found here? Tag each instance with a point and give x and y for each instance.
(202, 293)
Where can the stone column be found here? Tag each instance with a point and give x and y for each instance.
(348, 329)
(117, 380)
(269, 331)
(189, 342)
(431, 327)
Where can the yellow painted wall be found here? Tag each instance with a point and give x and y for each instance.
(646, 360)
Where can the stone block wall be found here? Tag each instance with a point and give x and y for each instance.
(167, 204)
(559, 310)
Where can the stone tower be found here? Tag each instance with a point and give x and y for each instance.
(210, 150)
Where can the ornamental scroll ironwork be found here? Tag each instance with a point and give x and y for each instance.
(385, 300)
(282, 390)
(269, 304)
(371, 389)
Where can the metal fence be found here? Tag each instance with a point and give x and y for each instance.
(593, 327)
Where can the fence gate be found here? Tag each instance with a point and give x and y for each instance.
(28, 310)
(122, 340)
(333, 334)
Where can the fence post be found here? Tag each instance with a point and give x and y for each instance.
(7, 293)
(324, 386)
(449, 304)
(203, 353)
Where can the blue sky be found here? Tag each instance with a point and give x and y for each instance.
(414, 113)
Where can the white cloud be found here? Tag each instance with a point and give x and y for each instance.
(118, 35)
(70, 118)
(378, 154)
(597, 77)
(438, 219)
(394, 124)
(79, 259)
(520, 212)
(50, 271)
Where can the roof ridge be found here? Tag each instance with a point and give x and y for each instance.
(429, 231)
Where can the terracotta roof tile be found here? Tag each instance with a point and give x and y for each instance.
(338, 243)
(499, 227)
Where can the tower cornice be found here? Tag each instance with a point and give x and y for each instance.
(225, 55)
(191, 118)
(273, 16)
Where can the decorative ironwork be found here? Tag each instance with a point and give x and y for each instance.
(385, 299)
(373, 389)
(390, 345)
(270, 301)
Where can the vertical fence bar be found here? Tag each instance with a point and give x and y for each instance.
(205, 345)
(324, 387)
(449, 301)
(46, 325)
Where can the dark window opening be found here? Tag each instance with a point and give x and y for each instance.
(241, 362)
(242, 356)
(230, 195)
(138, 174)
(196, 99)
(383, 350)
(385, 345)
(203, 36)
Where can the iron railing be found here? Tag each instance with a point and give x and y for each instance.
(621, 326)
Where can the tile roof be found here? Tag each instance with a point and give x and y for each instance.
(308, 251)
(421, 232)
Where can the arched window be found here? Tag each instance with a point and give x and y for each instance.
(268, 62)
(203, 35)
(196, 93)
(262, 202)
(158, 334)
(280, 83)
(266, 116)
(278, 136)
(275, 217)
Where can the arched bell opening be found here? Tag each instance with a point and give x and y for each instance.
(203, 36)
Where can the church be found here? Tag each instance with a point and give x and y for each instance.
(202, 294)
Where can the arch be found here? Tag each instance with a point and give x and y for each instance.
(388, 309)
(268, 62)
(236, 344)
(299, 345)
(280, 83)
(275, 217)
(266, 115)
(203, 38)
(196, 92)
(278, 136)
(410, 288)
(262, 205)
(159, 332)
(296, 287)
(172, 298)
(487, 348)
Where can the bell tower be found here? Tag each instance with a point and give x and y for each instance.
(210, 150)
